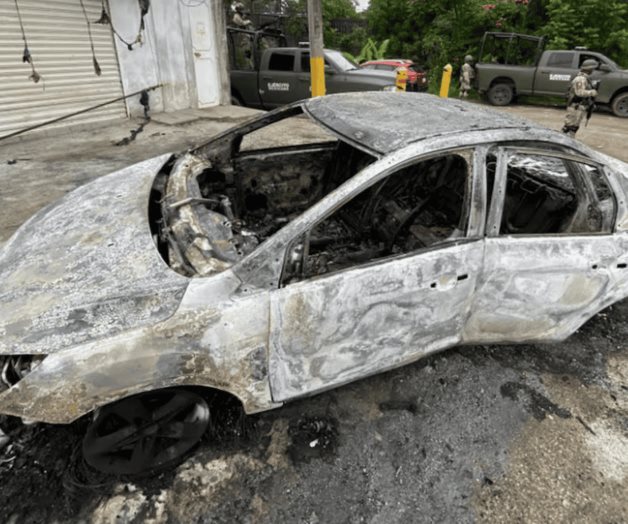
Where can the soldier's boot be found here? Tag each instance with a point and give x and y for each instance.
(570, 130)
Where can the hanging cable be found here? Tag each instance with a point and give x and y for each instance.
(26, 54)
(80, 112)
(105, 19)
(97, 69)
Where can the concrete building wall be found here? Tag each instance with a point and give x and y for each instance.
(169, 54)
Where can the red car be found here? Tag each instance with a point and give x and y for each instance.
(417, 79)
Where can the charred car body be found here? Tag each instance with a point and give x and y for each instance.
(273, 272)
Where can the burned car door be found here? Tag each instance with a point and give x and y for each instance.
(383, 279)
(549, 247)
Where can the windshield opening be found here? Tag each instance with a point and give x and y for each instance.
(340, 61)
(221, 201)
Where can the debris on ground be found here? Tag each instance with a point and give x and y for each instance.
(312, 437)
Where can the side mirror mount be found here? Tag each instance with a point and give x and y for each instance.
(329, 70)
(605, 68)
(295, 260)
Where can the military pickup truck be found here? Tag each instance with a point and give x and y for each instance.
(265, 74)
(512, 64)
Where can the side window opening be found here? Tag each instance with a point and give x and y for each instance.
(585, 56)
(419, 206)
(281, 62)
(305, 62)
(560, 59)
(546, 195)
(605, 199)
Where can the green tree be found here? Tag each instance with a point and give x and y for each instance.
(601, 25)
(294, 13)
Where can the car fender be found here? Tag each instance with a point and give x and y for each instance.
(223, 348)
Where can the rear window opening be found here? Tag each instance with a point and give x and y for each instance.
(550, 195)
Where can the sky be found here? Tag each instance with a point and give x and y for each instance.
(362, 4)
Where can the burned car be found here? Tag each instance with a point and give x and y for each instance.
(272, 268)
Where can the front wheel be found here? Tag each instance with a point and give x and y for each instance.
(620, 105)
(501, 94)
(145, 432)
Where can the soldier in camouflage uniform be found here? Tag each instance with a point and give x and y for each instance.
(581, 98)
(239, 18)
(467, 74)
(243, 42)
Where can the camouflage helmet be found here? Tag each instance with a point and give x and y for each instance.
(238, 6)
(589, 65)
(468, 59)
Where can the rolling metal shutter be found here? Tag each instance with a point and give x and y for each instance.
(57, 37)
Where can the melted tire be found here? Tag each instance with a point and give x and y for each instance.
(145, 432)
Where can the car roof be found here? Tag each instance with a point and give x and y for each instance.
(384, 122)
(391, 61)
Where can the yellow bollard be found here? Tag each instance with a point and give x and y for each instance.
(446, 81)
(317, 68)
(402, 79)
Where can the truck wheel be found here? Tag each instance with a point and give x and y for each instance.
(620, 105)
(500, 94)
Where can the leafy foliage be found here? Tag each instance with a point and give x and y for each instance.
(371, 51)
(601, 25)
(436, 32)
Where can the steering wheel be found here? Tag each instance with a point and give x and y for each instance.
(407, 223)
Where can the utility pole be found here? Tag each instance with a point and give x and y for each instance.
(317, 57)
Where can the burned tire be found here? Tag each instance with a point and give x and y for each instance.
(620, 105)
(501, 94)
(145, 432)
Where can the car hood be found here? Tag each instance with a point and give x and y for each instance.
(385, 76)
(86, 267)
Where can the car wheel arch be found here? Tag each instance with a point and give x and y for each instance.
(154, 430)
(42, 396)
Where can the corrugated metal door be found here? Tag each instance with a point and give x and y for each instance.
(57, 37)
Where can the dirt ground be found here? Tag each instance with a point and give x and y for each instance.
(534, 433)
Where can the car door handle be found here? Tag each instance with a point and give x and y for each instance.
(448, 281)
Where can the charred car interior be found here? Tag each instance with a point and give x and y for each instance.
(210, 214)
(552, 195)
(213, 207)
(416, 207)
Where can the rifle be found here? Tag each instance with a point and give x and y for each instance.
(595, 84)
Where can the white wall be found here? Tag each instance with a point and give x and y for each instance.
(167, 56)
